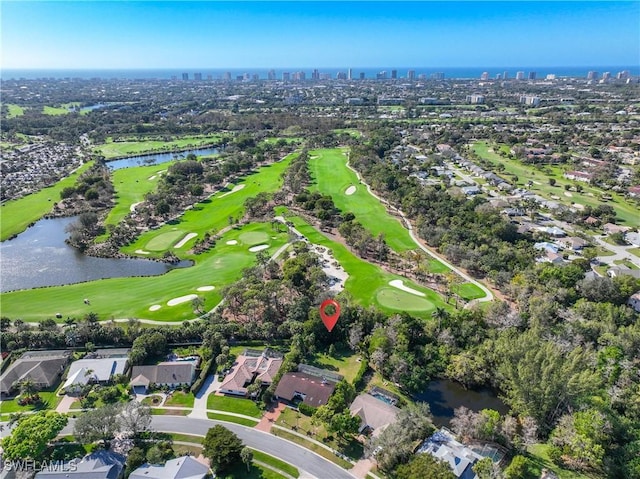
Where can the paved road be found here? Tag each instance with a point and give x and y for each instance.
(309, 463)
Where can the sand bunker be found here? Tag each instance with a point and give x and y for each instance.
(206, 288)
(133, 206)
(184, 240)
(151, 178)
(351, 190)
(155, 307)
(235, 188)
(566, 193)
(232, 242)
(398, 283)
(260, 247)
(141, 251)
(181, 299)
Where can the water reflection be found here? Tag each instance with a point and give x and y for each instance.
(157, 158)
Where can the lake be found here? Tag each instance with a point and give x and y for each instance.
(40, 257)
(443, 396)
(157, 158)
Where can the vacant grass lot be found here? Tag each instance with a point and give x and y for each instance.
(332, 177)
(367, 280)
(17, 215)
(132, 297)
(113, 149)
(242, 406)
(590, 195)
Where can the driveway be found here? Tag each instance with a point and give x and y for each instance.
(65, 404)
(210, 386)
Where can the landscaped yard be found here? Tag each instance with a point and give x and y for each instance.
(49, 401)
(180, 398)
(344, 362)
(540, 457)
(242, 406)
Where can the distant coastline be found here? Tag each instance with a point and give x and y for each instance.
(370, 73)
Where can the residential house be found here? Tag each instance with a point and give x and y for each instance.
(311, 386)
(634, 301)
(546, 246)
(634, 191)
(184, 467)
(610, 228)
(170, 373)
(249, 367)
(98, 465)
(622, 270)
(578, 176)
(44, 368)
(375, 414)
(443, 446)
(96, 369)
(573, 243)
(632, 238)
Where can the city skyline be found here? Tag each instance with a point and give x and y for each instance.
(200, 35)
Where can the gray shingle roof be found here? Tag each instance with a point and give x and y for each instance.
(185, 467)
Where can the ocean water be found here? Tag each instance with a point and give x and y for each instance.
(369, 72)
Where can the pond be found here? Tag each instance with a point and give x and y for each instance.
(40, 257)
(157, 158)
(443, 396)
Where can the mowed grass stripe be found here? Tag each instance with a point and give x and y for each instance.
(132, 297)
(332, 177)
(367, 280)
(16, 215)
(213, 214)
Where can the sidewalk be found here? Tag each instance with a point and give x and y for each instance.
(270, 417)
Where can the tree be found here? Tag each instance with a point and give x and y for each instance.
(135, 459)
(30, 437)
(486, 469)
(27, 388)
(520, 468)
(222, 447)
(99, 424)
(423, 466)
(135, 418)
(247, 457)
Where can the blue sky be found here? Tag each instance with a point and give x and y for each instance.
(95, 34)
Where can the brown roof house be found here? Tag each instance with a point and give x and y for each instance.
(171, 373)
(309, 385)
(249, 367)
(375, 414)
(44, 368)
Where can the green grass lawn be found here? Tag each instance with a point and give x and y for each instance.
(321, 451)
(113, 298)
(59, 110)
(344, 362)
(112, 149)
(300, 423)
(332, 177)
(626, 263)
(49, 401)
(242, 406)
(539, 454)
(180, 398)
(634, 251)
(276, 463)
(256, 471)
(14, 110)
(169, 412)
(469, 291)
(237, 420)
(16, 215)
(366, 280)
(627, 212)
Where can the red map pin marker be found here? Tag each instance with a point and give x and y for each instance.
(329, 320)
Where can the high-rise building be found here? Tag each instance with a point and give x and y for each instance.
(227, 76)
(411, 74)
(532, 75)
(286, 76)
(271, 75)
(185, 76)
(341, 76)
(530, 100)
(623, 75)
(382, 75)
(197, 76)
(484, 76)
(437, 76)
(606, 76)
(349, 74)
(498, 76)
(505, 75)
(592, 75)
(361, 75)
(520, 76)
(475, 99)
(315, 74)
(394, 74)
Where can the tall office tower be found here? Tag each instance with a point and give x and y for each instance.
(532, 75)
(394, 74)
(498, 76)
(623, 75)
(271, 75)
(286, 76)
(227, 76)
(349, 74)
(484, 76)
(315, 74)
(592, 75)
(341, 76)
(437, 76)
(505, 75)
(361, 75)
(606, 76)
(197, 76)
(185, 76)
(520, 76)
(411, 74)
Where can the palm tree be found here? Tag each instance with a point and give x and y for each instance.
(27, 388)
(440, 314)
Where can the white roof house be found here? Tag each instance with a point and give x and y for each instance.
(185, 467)
(97, 370)
(443, 445)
